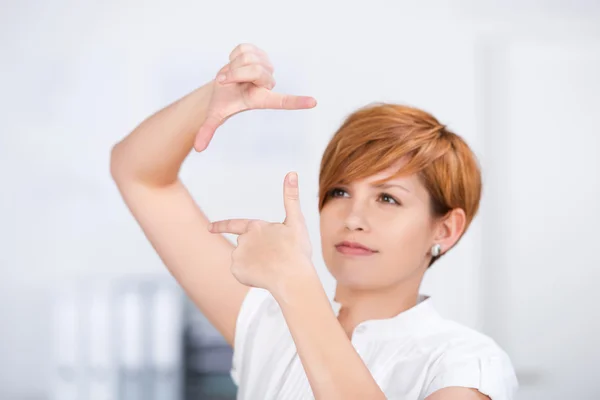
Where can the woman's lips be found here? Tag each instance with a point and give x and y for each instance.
(354, 251)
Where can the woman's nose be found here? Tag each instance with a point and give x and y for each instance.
(355, 219)
(354, 227)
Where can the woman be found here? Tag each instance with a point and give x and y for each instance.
(397, 190)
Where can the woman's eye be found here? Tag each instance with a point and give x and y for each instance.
(336, 191)
(388, 197)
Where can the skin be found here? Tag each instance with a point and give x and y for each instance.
(276, 256)
(395, 221)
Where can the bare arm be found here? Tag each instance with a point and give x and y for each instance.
(145, 167)
(333, 367)
(457, 393)
(154, 152)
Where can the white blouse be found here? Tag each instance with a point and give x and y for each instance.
(410, 355)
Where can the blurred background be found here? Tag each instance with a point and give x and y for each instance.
(88, 311)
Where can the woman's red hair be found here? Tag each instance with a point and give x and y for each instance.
(377, 136)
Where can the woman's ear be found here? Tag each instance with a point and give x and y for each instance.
(449, 229)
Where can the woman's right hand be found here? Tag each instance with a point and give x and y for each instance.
(248, 84)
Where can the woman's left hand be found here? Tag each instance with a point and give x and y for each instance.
(271, 255)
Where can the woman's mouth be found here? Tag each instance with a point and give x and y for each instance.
(354, 249)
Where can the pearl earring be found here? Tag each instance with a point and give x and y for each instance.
(436, 249)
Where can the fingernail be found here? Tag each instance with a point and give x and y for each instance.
(221, 78)
(293, 178)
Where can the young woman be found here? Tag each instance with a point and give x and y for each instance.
(397, 190)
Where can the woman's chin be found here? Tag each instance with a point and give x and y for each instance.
(351, 277)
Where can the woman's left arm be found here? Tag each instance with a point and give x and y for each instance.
(457, 393)
(332, 365)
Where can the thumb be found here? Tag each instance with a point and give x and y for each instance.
(206, 133)
(291, 200)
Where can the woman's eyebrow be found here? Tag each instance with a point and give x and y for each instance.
(387, 185)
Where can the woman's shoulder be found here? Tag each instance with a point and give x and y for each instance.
(448, 341)
(458, 355)
(425, 329)
(449, 355)
(448, 333)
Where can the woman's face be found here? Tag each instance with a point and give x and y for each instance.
(393, 220)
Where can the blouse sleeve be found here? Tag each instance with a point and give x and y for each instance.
(250, 311)
(485, 367)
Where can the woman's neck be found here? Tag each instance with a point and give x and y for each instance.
(358, 306)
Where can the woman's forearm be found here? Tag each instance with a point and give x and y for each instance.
(154, 152)
(332, 365)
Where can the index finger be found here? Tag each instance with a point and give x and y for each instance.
(235, 226)
(281, 101)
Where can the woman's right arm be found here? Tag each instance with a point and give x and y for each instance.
(145, 167)
(146, 163)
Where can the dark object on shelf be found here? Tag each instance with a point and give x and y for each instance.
(207, 358)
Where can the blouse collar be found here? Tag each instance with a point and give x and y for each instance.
(408, 322)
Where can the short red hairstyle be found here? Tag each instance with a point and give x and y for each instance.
(377, 136)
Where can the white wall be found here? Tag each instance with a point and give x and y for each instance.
(79, 76)
(541, 231)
